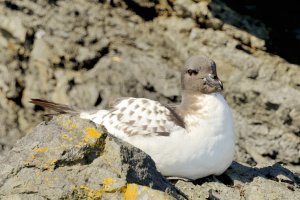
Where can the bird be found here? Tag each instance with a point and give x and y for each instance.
(188, 141)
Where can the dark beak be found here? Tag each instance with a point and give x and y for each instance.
(213, 81)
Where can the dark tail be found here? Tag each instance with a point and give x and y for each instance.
(59, 108)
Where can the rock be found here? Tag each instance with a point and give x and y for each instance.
(70, 158)
(13, 26)
(217, 15)
(243, 182)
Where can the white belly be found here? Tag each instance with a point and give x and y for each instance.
(188, 156)
(212, 156)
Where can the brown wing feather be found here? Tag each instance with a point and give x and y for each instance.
(60, 108)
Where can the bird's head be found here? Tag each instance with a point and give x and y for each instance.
(199, 75)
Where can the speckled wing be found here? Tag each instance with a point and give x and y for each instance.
(139, 116)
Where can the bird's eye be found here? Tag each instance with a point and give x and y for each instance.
(192, 71)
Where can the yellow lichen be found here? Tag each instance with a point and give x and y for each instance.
(73, 126)
(131, 192)
(107, 182)
(86, 139)
(66, 137)
(40, 149)
(92, 133)
(51, 162)
(68, 124)
(91, 193)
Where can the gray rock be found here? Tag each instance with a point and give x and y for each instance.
(70, 158)
(243, 182)
(13, 26)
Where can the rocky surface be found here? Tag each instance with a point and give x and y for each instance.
(71, 158)
(243, 182)
(87, 53)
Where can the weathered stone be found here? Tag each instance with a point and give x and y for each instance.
(243, 182)
(13, 26)
(70, 158)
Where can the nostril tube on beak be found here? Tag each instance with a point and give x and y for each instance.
(214, 81)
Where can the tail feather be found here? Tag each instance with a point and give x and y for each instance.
(59, 108)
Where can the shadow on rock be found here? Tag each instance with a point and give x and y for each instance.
(243, 182)
(275, 172)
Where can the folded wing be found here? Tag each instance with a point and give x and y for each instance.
(139, 116)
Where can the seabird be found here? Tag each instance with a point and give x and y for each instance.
(191, 140)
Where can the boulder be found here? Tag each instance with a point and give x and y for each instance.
(71, 158)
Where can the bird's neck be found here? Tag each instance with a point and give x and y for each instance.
(189, 99)
(194, 102)
(200, 110)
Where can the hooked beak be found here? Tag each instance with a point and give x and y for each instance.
(213, 81)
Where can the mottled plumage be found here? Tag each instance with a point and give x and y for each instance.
(138, 116)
